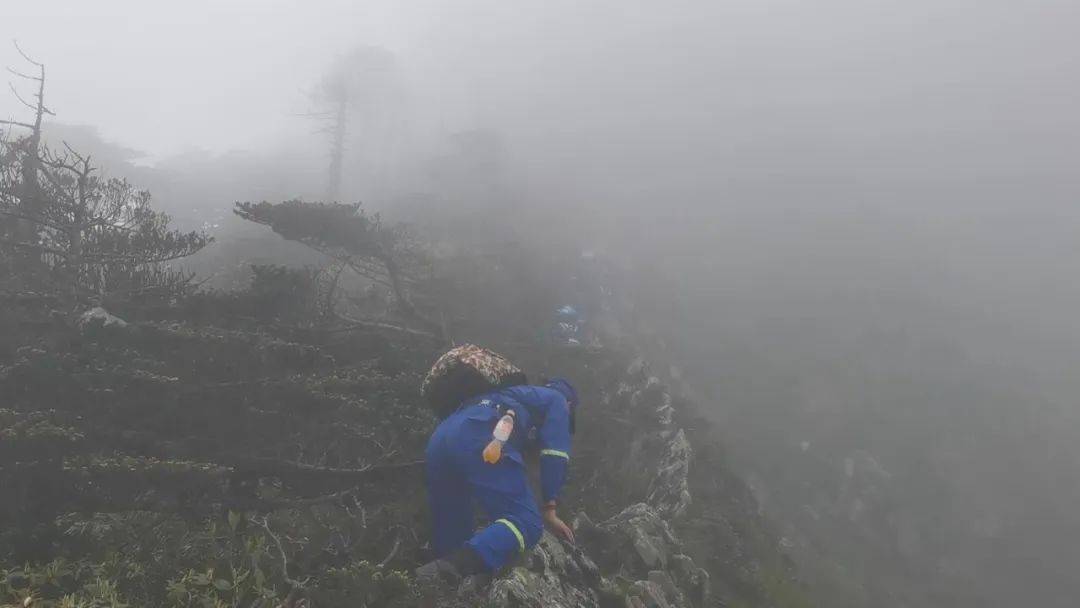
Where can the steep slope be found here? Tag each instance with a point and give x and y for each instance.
(170, 461)
(216, 452)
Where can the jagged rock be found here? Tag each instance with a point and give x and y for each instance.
(636, 541)
(692, 580)
(669, 491)
(665, 412)
(650, 398)
(663, 581)
(665, 452)
(98, 314)
(648, 594)
(619, 400)
(647, 550)
(550, 576)
(583, 524)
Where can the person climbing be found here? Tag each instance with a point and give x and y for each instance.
(490, 416)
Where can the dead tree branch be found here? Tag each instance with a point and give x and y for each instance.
(393, 550)
(295, 584)
(25, 56)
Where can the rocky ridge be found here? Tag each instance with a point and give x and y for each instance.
(635, 558)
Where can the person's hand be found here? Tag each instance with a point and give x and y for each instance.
(556, 526)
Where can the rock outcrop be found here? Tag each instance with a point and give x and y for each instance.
(660, 446)
(552, 575)
(633, 559)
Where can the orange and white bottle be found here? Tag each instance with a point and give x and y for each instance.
(503, 428)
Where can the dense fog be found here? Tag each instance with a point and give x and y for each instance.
(854, 225)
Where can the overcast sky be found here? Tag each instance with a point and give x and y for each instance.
(856, 79)
(164, 76)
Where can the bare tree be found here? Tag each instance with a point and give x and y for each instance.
(26, 150)
(337, 93)
(71, 229)
(351, 79)
(101, 235)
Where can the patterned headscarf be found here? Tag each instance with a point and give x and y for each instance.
(466, 371)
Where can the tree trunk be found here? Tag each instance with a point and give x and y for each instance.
(30, 203)
(337, 151)
(401, 297)
(75, 236)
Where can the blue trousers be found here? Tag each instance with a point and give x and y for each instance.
(458, 478)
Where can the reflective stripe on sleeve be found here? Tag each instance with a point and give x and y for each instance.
(558, 453)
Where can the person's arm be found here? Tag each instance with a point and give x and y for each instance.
(554, 439)
(556, 525)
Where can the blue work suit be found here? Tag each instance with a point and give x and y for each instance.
(457, 474)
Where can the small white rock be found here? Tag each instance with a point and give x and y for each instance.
(98, 313)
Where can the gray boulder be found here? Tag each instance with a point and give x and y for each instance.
(551, 575)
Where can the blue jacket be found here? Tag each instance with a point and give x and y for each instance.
(541, 418)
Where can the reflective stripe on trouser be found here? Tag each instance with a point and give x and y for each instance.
(499, 542)
(515, 530)
(504, 495)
